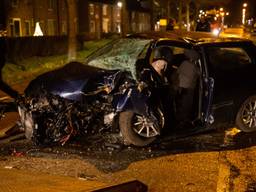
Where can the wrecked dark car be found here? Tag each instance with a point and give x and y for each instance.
(102, 95)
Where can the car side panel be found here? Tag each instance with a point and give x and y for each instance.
(232, 87)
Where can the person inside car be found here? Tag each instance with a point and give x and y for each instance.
(153, 78)
(187, 74)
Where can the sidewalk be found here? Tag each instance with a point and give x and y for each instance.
(22, 181)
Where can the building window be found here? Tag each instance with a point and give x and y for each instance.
(27, 28)
(91, 9)
(51, 27)
(105, 25)
(15, 3)
(117, 26)
(15, 27)
(92, 27)
(105, 10)
(51, 4)
(133, 15)
(63, 28)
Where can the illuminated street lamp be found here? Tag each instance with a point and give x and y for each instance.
(244, 12)
(120, 15)
(222, 15)
(119, 4)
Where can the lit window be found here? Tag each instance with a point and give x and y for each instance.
(91, 9)
(133, 15)
(51, 26)
(64, 28)
(105, 10)
(92, 26)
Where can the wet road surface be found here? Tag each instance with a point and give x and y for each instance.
(206, 162)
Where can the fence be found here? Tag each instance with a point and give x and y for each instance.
(23, 47)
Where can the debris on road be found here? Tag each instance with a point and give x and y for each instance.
(8, 167)
(229, 137)
(12, 138)
(17, 154)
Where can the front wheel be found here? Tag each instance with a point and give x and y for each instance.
(27, 122)
(246, 116)
(140, 130)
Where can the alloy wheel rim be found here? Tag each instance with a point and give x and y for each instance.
(249, 114)
(145, 127)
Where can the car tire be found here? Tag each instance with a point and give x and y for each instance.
(32, 129)
(246, 116)
(127, 125)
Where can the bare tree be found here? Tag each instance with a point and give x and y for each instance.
(72, 29)
(180, 14)
(124, 19)
(187, 2)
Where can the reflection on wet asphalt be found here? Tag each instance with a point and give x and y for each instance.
(222, 163)
(99, 150)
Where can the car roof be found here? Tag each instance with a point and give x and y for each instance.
(192, 38)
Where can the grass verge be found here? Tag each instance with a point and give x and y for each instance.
(28, 69)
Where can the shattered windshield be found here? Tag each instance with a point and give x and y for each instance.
(121, 54)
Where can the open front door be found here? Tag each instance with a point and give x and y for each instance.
(207, 97)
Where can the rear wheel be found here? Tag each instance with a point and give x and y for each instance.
(140, 130)
(246, 116)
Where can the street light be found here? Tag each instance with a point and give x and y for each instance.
(222, 15)
(120, 15)
(119, 4)
(244, 12)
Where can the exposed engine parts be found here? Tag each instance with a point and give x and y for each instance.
(57, 120)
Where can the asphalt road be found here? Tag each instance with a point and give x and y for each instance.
(215, 161)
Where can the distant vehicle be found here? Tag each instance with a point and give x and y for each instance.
(75, 99)
(253, 30)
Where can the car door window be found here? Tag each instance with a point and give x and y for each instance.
(228, 58)
(178, 55)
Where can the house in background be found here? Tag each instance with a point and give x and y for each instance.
(106, 16)
(95, 17)
(22, 16)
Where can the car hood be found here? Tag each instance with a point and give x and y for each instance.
(72, 81)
